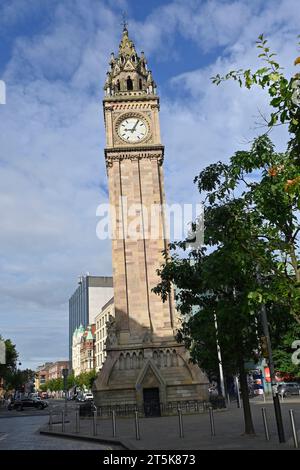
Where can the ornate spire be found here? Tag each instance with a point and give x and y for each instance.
(128, 74)
(126, 48)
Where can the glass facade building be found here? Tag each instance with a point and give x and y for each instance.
(87, 301)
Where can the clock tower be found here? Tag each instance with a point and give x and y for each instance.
(144, 362)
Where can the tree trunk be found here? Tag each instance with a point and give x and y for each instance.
(249, 428)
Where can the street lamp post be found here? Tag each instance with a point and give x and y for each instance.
(277, 408)
(267, 339)
(219, 358)
(65, 373)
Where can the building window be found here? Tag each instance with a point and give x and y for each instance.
(129, 84)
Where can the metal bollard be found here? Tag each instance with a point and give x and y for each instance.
(77, 421)
(137, 426)
(62, 421)
(212, 421)
(180, 423)
(238, 397)
(94, 423)
(228, 400)
(264, 415)
(114, 423)
(282, 397)
(294, 430)
(50, 421)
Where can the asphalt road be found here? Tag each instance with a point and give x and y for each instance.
(20, 431)
(56, 406)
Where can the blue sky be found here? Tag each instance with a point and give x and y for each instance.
(53, 58)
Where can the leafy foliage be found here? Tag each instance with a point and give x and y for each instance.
(9, 369)
(251, 241)
(84, 380)
(281, 91)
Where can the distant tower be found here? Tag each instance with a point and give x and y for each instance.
(144, 362)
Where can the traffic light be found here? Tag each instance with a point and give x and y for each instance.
(264, 346)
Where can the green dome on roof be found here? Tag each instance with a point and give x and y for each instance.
(89, 336)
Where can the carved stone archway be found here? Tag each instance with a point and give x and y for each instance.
(150, 377)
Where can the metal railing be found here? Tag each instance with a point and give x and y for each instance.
(163, 409)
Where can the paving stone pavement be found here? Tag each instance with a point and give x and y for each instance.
(163, 433)
(22, 433)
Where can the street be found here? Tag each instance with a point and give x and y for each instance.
(20, 431)
(163, 433)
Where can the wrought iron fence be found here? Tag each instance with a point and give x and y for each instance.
(169, 408)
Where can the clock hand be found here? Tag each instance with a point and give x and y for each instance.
(134, 127)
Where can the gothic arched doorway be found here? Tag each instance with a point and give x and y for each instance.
(151, 402)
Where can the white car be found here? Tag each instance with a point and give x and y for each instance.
(88, 396)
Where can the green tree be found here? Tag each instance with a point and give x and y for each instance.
(251, 227)
(9, 369)
(86, 379)
(284, 331)
(14, 378)
(218, 283)
(276, 196)
(43, 387)
(71, 381)
(54, 385)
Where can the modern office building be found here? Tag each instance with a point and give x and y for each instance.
(87, 301)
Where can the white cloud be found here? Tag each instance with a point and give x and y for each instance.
(206, 123)
(52, 172)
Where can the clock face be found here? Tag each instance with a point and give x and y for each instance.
(132, 130)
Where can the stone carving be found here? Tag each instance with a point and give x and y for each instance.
(147, 337)
(112, 338)
(130, 360)
(128, 74)
(110, 159)
(166, 358)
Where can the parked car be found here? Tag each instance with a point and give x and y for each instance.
(79, 397)
(88, 396)
(288, 388)
(87, 408)
(39, 399)
(20, 404)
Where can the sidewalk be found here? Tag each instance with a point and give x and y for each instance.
(163, 433)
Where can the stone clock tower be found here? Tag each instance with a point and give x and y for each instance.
(144, 364)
